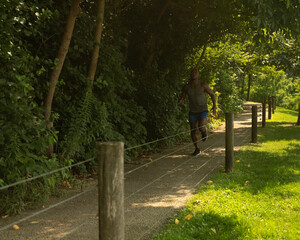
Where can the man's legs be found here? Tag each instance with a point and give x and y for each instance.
(202, 128)
(198, 120)
(194, 137)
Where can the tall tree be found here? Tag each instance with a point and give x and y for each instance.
(298, 122)
(285, 55)
(298, 98)
(62, 53)
(97, 41)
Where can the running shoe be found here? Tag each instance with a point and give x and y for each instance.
(204, 136)
(196, 152)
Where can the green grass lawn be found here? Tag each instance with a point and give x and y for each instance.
(258, 200)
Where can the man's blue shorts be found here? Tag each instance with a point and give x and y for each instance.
(193, 117)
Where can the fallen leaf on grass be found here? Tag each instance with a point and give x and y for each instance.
(249, 165)
(6, 216)
(15, 227)
(189, 216)
(176, 221)
(214, 230)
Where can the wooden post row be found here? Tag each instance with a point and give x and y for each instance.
(270, 107)
(229, 142)
(111, 191)
(254, 124)
(273, 104)
(263, 122)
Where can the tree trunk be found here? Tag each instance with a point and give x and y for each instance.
(298, 122)
(249, 86)
(154, 39)
(97, 40)
(243, 82)
(202, 56)
(62, 52)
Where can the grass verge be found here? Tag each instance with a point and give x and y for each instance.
(258, 200)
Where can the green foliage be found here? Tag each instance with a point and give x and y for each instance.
(87, 124)
(285, 54)
(229, 99)
(23, 133)
(288, 94)
(223, 67)
(115, 86)
(267, 82)
(23, 140)
(277, 71)
(164, 116)
(109, 114)
(272, 15)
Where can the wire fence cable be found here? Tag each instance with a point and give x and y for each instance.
(44, 174)
(46, 209)
(82, 162)
(167, 173)
(161, 139)
(177, 150)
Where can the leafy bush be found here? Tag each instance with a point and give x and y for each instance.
(229, 98)
(23, 133)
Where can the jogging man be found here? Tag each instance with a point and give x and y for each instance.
(196, 90)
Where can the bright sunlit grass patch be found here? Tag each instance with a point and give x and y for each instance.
(260, 199)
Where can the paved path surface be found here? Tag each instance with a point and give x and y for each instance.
(153, 193)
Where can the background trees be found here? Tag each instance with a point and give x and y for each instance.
(146, 51)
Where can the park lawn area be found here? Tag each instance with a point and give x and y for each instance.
(260, 199)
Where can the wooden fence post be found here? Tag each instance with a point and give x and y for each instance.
(263, 123)
(229, 142)
(111, 191)
(254, 124)
(273, 104)
(298, 121)
(270, 108)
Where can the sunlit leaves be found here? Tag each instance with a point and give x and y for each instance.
(273, 15)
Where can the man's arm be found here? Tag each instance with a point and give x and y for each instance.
(183, 94)
(213, 97)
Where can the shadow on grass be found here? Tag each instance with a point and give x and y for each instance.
(213, 226)
(264, 169)
(280, 131)
(207, 226)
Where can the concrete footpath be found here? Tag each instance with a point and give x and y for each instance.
(153, 193)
